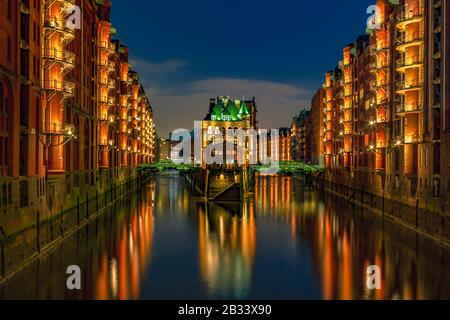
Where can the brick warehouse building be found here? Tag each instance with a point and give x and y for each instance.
(74, 119)
(307, 132)
(385, 116)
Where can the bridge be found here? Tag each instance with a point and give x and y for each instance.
(231, 182)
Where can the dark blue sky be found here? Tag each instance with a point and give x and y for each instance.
(189, 51)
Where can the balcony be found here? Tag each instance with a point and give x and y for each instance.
(106, 142)
(107, 46)
(102, 82)
(348, 80)
(66, 3)
(58, 129)
(54, 24)
(63, 57)
(347, 107)
(409, 85)
(405, 41)
(381, 144)
(382, 65)
(409, 16)
(111, 66)
(348, 131)
(382, 120)
(103, 63)
(404, 63)
(375, 85)
(102, 99)
(377, 48)
(111, 84)
(413, 138)
(404, 109)
(347, 66)
(64, 87)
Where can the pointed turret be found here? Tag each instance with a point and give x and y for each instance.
(243, 112)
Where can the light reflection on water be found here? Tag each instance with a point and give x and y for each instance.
(289, 243)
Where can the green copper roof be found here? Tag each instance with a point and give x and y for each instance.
(243, 112)
(234, 111)
(226, 112)
(217, 111)
(226, 109)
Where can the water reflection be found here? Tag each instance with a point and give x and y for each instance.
(345, 240)
(113, 252)
(287, 243)
(226, 244)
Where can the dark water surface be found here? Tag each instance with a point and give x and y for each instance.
(289, 243)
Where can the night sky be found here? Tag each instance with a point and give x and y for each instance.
(277, 51)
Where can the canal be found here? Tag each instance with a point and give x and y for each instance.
(287, 243)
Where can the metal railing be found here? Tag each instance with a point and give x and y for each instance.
(63, 56)
(413, 138)
(409, 84)
(60, 86)
(409, 61)
(406, 15)
(409, 108)
(60, 25)
(404, 39)
(58, 128)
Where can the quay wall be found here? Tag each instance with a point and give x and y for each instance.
(69, 201)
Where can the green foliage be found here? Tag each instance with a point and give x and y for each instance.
(168, 165)
(291, 167)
